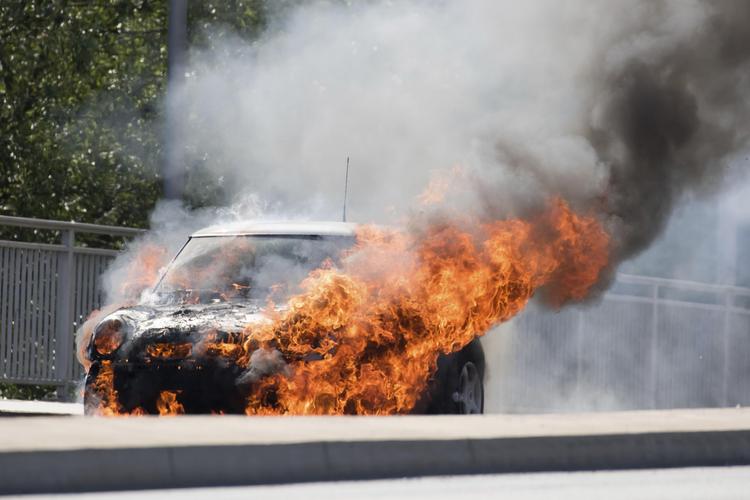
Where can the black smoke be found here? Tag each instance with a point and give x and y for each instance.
(667, 119)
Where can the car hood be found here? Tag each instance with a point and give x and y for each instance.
(165, 323)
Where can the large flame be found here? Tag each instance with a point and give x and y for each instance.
(364, 337)
(400, 300)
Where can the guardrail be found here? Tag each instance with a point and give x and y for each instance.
(46, 291)
(648, 343)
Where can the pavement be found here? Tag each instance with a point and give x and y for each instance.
(74, 454)
(695, 483)
(16, 407)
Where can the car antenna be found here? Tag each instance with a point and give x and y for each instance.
(346, 186)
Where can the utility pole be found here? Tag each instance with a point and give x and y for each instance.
(174, 153)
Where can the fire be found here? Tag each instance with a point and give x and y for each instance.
(83, 335)
(143, 270)
(364, 337)
(169, 351)
(380, 322)
(440, 185)
(108, 405)
(224, 349)
(142, 273)
(104, 387)
(213, 276)
(167, 404)
(224, 345)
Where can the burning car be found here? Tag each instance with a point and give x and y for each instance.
(192, 346)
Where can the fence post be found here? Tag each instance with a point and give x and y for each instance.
(654, 358)
(579, 351)
(64, 325)
(726, 340)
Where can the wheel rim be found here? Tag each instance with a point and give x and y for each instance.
(470, 395)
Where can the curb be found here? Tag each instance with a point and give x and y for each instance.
(109, 469)
(20, 408)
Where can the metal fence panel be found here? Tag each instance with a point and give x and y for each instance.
(30, 310)
(689, 357)
(88, 294)
(615, 339)
(27, 314)
(46, 292)
(541, 360)
(650, 343)
(738, 361)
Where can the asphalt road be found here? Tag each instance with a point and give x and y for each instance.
(717, 483)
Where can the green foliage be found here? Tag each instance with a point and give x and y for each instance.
(212, 22)
(79, 116)
(27, 392)
(81, 108)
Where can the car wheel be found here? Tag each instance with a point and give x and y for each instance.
(469, 394)
(457, 386)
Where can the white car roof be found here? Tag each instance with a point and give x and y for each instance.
(286, 228)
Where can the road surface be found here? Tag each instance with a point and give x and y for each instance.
(718, 483)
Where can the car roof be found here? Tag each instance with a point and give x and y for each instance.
(279, 228)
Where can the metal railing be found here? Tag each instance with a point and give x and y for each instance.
(648, 343)
(46, 292)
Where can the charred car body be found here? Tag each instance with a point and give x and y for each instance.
(184, 339)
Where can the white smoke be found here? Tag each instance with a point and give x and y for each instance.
(404, 89)
(171, 223)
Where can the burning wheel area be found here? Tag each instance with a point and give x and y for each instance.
(193, 387)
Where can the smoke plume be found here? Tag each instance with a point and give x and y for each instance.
(620, 106)
(672, 110)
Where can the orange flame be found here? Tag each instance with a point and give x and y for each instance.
(143, 271)
(106, 395)
(167, 404)
(164, 350)
(440, 185)
(401, 300)
(215, 273)
(364, 337)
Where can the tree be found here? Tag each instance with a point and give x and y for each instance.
(81, 87)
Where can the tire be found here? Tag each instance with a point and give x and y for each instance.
(469, 394)
(458, 386)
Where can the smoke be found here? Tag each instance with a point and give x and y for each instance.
(404, 90)
(673, 109)
(619, 106)
(263, 362)
(136, 270)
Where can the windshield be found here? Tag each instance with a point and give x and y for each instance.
(210, 269)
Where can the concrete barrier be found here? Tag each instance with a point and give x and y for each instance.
(15, 408)
(97, 454)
